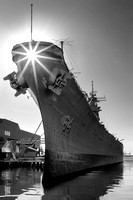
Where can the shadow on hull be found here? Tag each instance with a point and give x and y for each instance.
(48, 181)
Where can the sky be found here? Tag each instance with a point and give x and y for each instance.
(99, 48)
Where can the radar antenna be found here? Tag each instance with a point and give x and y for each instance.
(62, 41)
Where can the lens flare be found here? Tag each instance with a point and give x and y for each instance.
(32, 55)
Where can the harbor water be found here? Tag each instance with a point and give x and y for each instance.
(105, 184)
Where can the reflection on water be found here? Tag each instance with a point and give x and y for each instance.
(111, 183)
(123, 191)
(20, 183)
(90, 186)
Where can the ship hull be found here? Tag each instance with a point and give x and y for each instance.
(58, 165)
(74, 138)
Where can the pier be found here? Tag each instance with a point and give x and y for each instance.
(128, 157)
(34, 162)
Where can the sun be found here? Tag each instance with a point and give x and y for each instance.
(33, 54)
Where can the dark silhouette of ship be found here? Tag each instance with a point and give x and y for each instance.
(75, 139)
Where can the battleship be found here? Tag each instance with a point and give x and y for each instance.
(75, 139)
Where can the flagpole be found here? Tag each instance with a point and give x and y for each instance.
(31, 20)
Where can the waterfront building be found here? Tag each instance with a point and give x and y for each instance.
(15, 143)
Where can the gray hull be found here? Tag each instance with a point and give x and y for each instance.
(75, 139)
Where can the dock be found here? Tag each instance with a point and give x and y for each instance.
(128, 157)
(34, 162)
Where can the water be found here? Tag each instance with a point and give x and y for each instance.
(106, 184)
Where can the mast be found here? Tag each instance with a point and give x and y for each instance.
(94, 100)
(93, 92)
(92, 87)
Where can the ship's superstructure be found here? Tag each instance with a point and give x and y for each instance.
(93, 101)
(75, 139)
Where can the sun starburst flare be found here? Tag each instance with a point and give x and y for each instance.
(32, 55)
